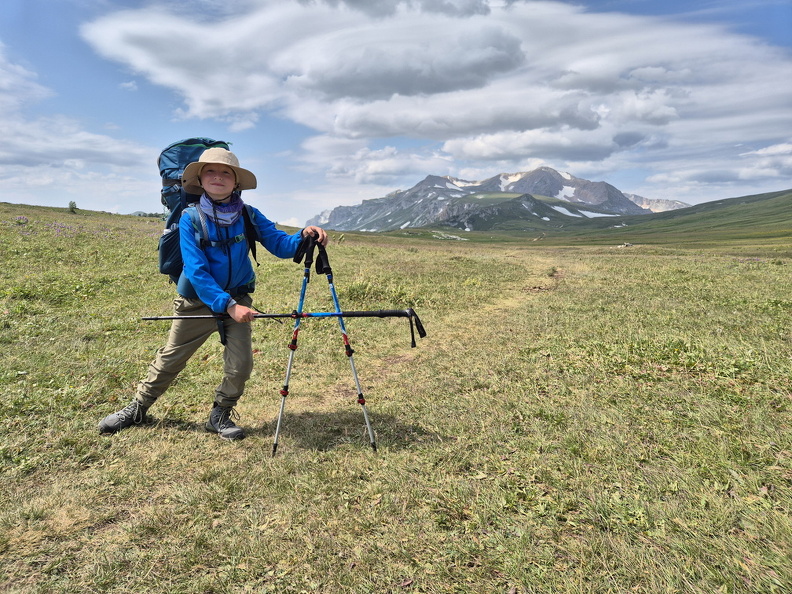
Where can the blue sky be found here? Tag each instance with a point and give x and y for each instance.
(331, 102)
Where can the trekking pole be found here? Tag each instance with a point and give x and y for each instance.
(296, 331)
(415, 321)
(323, 267)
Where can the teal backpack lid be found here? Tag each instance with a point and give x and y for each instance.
(178, 155)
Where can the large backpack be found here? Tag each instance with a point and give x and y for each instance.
(172, 162)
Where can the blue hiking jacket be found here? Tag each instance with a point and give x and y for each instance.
(212, 274)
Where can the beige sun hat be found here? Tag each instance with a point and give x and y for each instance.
(190, 182)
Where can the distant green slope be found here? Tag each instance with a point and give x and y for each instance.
(762, 216)
(762, 219)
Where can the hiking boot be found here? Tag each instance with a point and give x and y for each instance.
(133, 413)
(220, 422)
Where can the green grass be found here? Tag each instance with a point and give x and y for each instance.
(581, 418)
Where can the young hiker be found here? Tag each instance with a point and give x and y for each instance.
(217, 278)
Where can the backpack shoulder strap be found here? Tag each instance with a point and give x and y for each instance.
(250, 230)
(199, 225)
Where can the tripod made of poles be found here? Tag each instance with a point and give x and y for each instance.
(306, 250)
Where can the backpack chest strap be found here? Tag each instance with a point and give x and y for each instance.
(236, 239)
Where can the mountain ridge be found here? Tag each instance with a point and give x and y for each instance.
(527, 200)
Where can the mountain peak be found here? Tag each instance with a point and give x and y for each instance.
(446, 200)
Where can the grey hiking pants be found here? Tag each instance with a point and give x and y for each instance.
(185, 337)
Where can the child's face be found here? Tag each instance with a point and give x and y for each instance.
(218, 181)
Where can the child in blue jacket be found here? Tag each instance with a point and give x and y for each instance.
(217, 278)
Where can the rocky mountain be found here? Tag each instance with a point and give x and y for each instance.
(656, 204)
(527, 200)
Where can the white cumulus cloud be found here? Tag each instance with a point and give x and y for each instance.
(391, 90)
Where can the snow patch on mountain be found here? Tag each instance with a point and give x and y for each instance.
(569, 213)
(507, 179)
(594, 215)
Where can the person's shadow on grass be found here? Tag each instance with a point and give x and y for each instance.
(323, 431)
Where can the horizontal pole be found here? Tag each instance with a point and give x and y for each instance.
(379, 313)
(415, 322)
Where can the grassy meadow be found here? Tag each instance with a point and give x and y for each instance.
(580, 418)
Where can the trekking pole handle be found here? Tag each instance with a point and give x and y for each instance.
(322, 262)
(305, 249)
(414, 318)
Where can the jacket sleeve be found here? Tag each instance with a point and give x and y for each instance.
(197, 270)
(277, 242)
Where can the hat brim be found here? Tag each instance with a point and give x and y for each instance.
(192, 184)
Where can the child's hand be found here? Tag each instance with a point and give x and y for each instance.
(240, 313)
(318, 232)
